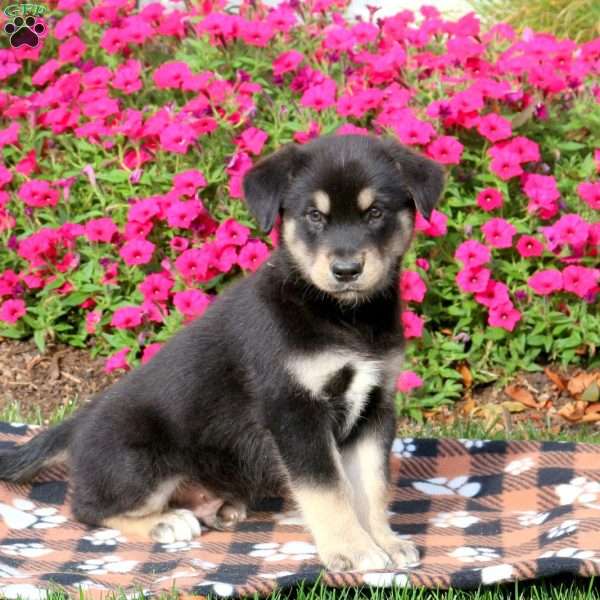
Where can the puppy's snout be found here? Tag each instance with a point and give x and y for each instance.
(346, 270)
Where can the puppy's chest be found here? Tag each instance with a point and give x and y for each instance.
(345, 380)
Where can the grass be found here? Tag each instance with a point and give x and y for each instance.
(549, 589)
(575, 19)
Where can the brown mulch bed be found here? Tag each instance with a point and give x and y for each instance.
(48, 381)
(554, 400)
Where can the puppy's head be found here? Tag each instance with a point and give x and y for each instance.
(348, 207)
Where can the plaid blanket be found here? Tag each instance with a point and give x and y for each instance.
(480, 511)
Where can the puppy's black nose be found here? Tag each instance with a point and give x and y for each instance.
(346, 270)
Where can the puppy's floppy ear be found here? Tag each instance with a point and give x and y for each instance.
(424, 177)
(266, 183)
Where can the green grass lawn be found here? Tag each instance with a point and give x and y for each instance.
(566, 588)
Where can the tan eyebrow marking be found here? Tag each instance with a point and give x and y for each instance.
(322, 201)
(365, 198)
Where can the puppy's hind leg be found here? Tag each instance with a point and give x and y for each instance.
(153, 520)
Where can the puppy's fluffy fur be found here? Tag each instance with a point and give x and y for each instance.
(285, 384)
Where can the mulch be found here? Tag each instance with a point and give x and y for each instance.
(481, 512)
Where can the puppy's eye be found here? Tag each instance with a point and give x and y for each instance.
(374, 213)
(314, 216)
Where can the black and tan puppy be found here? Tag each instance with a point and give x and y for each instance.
(285, 384)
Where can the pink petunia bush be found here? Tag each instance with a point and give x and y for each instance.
(126, 135)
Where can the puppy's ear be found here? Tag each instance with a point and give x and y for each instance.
(266, 183)
(424, 177)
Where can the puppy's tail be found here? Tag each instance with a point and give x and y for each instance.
(22, 463)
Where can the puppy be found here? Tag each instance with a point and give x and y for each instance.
(284, 385)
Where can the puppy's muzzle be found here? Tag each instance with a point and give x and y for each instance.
(346, 270)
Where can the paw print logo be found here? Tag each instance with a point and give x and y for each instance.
(23, 514)
(25, 31)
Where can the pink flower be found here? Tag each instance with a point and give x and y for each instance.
(446, 150)
(91, 320)
(12, 310)
(187, 182)
(571, 229)
(473, 254)
(144, 210)
(127, 77)
(489, 199)
(252, 255)
(231, 232)
(253, 140)
(177, 138)
(505, 316)
(68, 25)
(156, 287)
(71, 50)
(181, 214)
(319, 96)
(494, 294)
(149, 351)
(590, 193)
(498, 233)
(191, 303)
(435, 227)
(494, 127)
(506, 165)
(171, 75)
(473, 279)
(412, 287)
(117, 361)
(288, 61)
(408, 381)
(412, 324)
(528, 246)
(192, 264)
(179, 244)
(38, 193)
(580, 281)
(128, 317)
(100, 230)
(546, 282)
(543, 195)
(422, 263)
(411, 130)
(137, 252)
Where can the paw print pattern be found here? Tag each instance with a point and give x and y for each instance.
(516, 467)
(581, 490)
(181, 546)
(571, 553)
(385, 579)
(565, 528)
(272, 551)
(25, 31)
(107, 564)
(404, 447)
(26, 549)
(528, 518)
(459, 518)
(469, 554)
(105, 537)
(23, 514)
(473, 444)
(441, 486)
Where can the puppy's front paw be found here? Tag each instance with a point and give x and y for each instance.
(178, 525)
(403, 553)
(347, 558)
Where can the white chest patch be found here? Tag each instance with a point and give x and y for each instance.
(314, 371)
